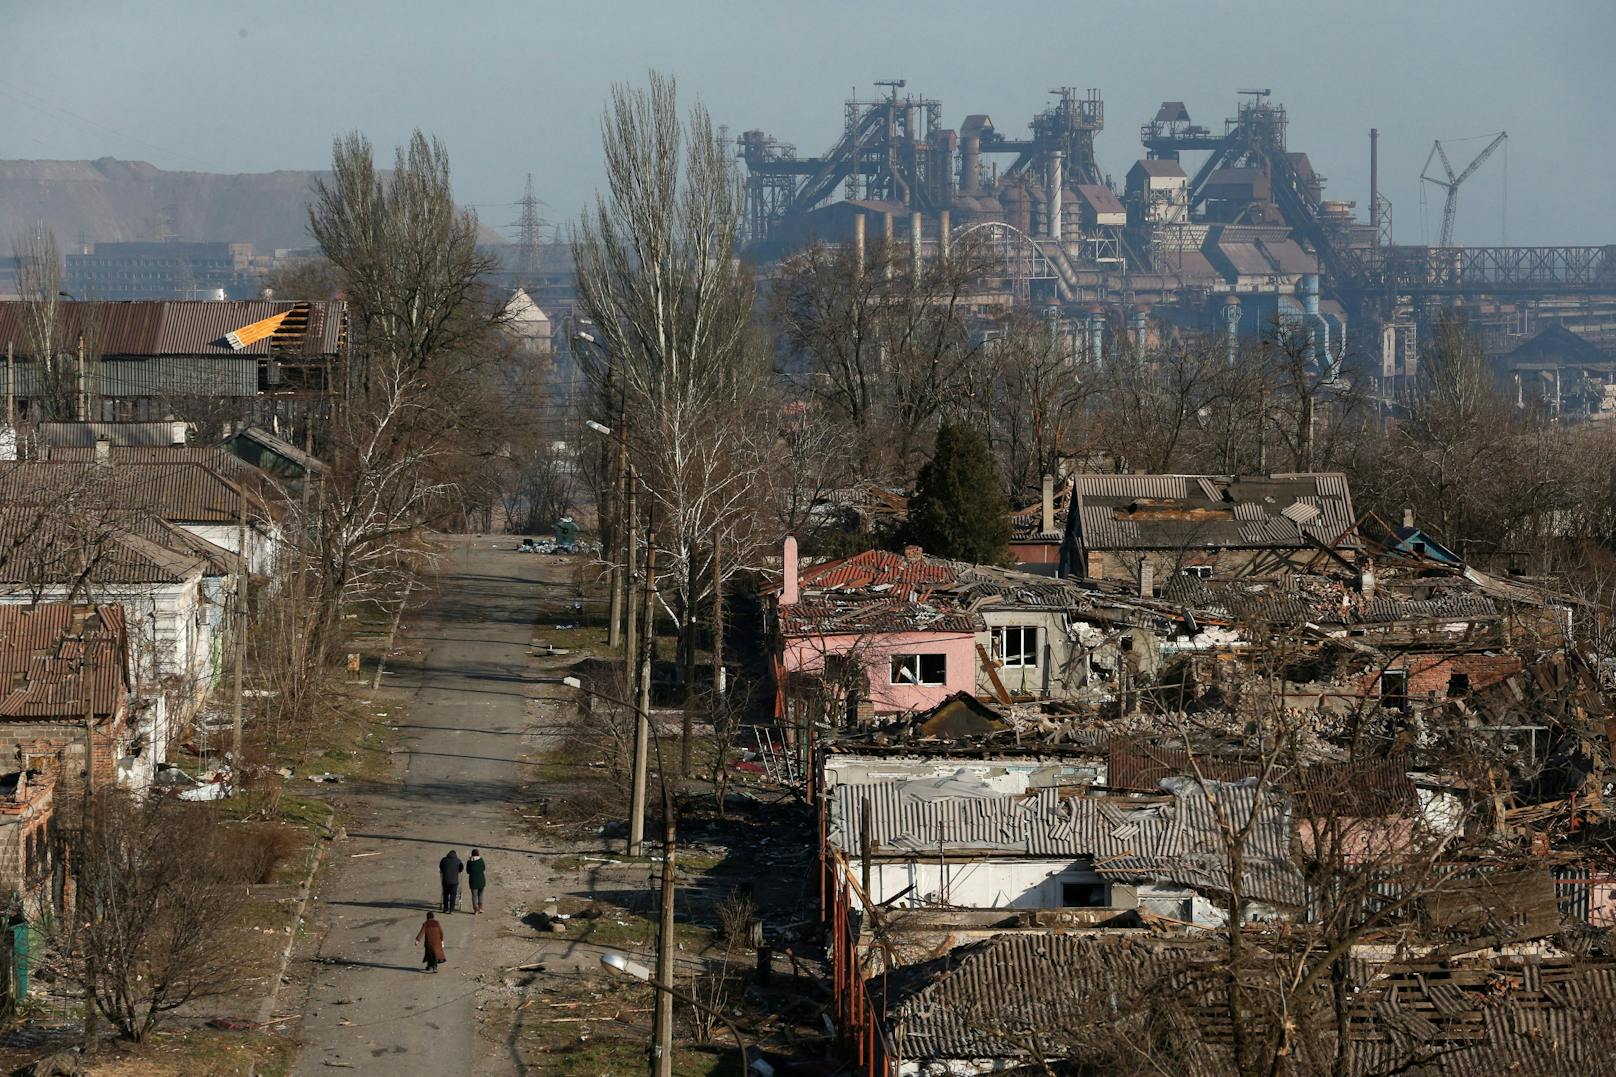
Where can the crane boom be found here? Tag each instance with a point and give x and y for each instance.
(1450, 206)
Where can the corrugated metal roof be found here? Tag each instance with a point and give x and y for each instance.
(1178, 842)
(53, 545)
(1476, 1017)
(145, 328)
(177, 492)
(47, 649)
(1182, 511)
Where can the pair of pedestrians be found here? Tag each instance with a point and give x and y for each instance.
(449, 869)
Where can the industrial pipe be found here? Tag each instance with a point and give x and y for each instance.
(915, 233)
(1319, 338)
(1097, 334)
(942, 236)
(858, 244)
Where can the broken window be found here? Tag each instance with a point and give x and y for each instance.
(919, 669)
(1200, 572)
(1016, 647)
(1458, 685)
(1394, 689)
(1083, 895)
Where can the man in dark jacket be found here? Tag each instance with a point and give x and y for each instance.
(449, 869)
(476, 878)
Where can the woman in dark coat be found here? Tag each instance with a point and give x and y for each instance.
(431, 933)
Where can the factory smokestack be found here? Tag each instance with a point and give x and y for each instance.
(1056, 181)
(1374, 183)
(942, 236)
(858, 243)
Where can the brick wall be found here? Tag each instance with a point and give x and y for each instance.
(23, 741)
(1429, 675)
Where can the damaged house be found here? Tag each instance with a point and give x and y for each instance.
(1144, 529)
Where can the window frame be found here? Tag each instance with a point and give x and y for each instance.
(1027, 656)
(914, 660)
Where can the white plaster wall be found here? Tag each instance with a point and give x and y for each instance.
(976, 884)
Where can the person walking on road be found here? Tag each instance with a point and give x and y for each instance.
(449, 869)
(476, 879)
(431, 933)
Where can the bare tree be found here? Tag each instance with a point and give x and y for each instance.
(888, 344)
(659, 279)
(44, 334)
(408, 256)
(155, 882)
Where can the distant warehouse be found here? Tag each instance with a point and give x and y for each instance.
(254, 361)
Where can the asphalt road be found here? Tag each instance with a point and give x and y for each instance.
(370, 1007)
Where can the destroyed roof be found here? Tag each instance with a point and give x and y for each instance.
(188, 327)
(1324, 600)
(1028, 523)
(1457, 1018)
(961, 1004)
(855, 615)
(959, 716)
(1129, 512)
(908, 573)
(1176, 841)
(47, 649)
(1141, 768)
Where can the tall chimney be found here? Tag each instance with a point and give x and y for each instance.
(858, 243)
(788, 573)
(1374, 183)
(1049, 505)
(1408, 517)
(1056, 182)
(942, 236)
(915, 231)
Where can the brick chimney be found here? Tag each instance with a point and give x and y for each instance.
(912, 553)
(1147, 579)
(1049, 505)
(1408, 517)
(788, 576)
(103, 450)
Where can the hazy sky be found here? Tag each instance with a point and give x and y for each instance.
(518, 87)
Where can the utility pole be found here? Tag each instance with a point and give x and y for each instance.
(642, 716)
(242, 570)
(11, 392)
(86, 824)
(84, 393)
(662, 1052)
(718, 622)
(630, 553)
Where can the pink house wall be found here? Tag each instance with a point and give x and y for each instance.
(807, 655)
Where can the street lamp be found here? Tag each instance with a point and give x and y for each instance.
(623, 965)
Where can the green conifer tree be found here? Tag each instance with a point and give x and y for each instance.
(958, 509)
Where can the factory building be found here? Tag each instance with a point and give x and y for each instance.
(1222, 229)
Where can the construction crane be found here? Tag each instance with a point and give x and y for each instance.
(1451, 184)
